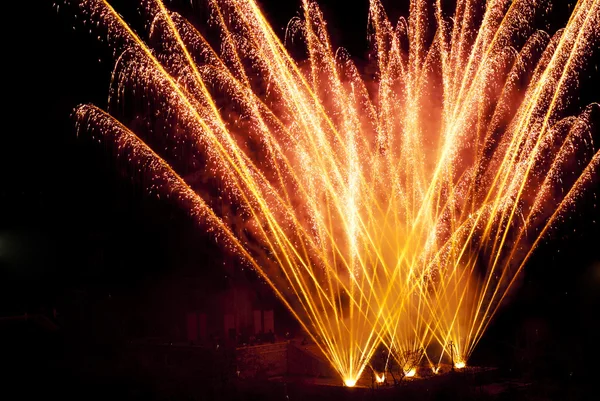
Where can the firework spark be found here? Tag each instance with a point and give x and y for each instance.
(394, 211)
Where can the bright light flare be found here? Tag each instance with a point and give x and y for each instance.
(380, 378)
(411, 373)
(350, 382)
(460, 364)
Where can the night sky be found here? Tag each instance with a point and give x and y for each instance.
(69, 221)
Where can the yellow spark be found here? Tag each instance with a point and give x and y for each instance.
(395, 211)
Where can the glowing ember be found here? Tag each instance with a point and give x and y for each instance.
(350, 382)
(397, 210)
(460, 364)
(435, 370)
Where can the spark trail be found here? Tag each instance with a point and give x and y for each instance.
(396, 210)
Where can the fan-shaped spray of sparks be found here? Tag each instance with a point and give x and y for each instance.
(394, 210)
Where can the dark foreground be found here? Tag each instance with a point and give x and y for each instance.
(55, 367)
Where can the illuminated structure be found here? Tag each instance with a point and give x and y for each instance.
(395, 212)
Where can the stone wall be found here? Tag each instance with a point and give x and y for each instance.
(306, 361)
(262, 361)
(279, 359)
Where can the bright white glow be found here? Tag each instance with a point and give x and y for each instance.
(460, 364)
(411, 372)
(350, 382)
(380, 379)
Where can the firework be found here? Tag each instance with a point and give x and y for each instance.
(393, 211)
